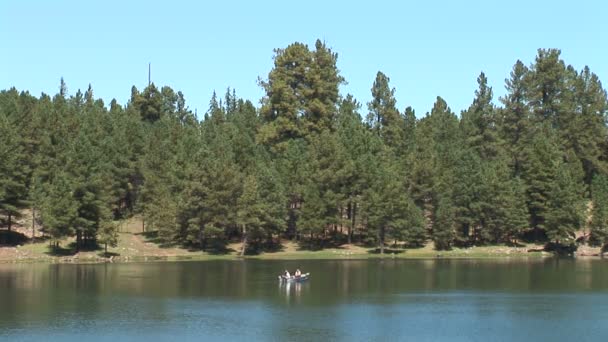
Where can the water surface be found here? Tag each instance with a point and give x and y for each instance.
(356, 300)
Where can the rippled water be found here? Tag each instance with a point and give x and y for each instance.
(417, 300)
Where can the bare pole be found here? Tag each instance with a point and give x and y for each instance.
(149, 73)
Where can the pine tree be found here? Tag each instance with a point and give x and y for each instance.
(599, 214)
(503, 212)
(585, 131)
(446, 142)
(250, 209)
(261, 204)
(58, 208)
(478, 123)
(273, 196)
(13, 189)
(565, 214)
(546, 86)
(389, 209)
(516, 218)
(301, 94)
(293, 170)
(515, 116)
(408, 141)
(541, 159)
(468, 200)
(213, 188)
(149, 103)
(423, 167)
(313, 215)
(353, 137)
(443, 227)
(384, 118)
(108, 235)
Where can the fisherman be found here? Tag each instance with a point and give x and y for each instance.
(287, 275)
(298, 273)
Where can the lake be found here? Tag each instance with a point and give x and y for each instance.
(351, 300)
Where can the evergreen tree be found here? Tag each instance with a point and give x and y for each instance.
(443, 227)
(423, 167)
(306, 163)
(546, 86)
(108, 235)
(516, 218)
(293, 170)
(261, 205)
(13, 189)
(446, 142)
(468, 200)
(565, 214)
(479, 122)
(408, 136)
(389, 210)
(585, 131)
(149, 103)
(59, 209)
(503, 211)
(250, 209)
(599, 214)
(515, 116)
(384, 118)
(353, 138)
(542, 157)
(301, 94)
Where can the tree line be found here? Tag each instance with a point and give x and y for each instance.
(314, 165)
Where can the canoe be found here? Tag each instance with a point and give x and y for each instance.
(303, 277)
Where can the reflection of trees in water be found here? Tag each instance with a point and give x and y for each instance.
(290, 290)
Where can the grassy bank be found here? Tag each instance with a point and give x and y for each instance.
(134, 245)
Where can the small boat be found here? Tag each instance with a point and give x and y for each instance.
(299, 278)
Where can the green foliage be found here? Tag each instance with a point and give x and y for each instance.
(301, 94)
(599, 214)
(503, 212)
(388, 208)
(479, 122)
(305, 163)
(566, 206)
(514, 118)
(13, 189)
(468, 192)
(542, 158)
(443, 227)
(149, 103)
(108, 235)
(384, 118)
(59, 209)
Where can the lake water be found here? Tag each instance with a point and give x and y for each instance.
(365, 300)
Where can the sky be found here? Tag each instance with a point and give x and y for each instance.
(428, 48)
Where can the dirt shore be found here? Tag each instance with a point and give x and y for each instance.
(134, 245)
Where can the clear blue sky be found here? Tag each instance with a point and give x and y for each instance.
(427, 48)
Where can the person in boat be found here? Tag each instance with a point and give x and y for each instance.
(287, 275)
(298, 273)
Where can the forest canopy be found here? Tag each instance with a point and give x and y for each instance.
(313, 164)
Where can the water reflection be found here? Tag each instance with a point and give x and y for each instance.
(291, 291)
(345, 300)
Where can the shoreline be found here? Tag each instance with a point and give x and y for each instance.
(137, 246)
(344, 253)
